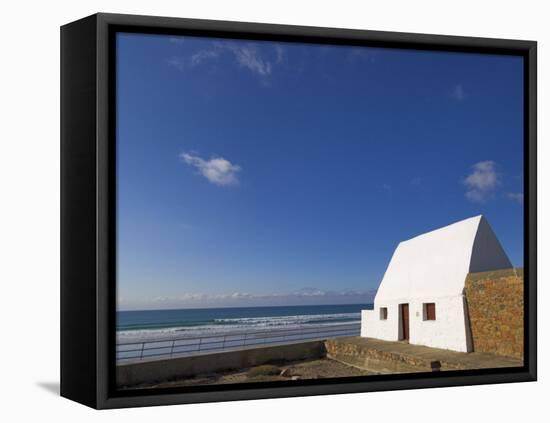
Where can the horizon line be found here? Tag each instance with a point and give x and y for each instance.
(269, 306)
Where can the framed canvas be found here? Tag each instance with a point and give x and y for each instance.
(257, 211)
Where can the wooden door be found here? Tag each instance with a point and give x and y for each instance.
(405, 321)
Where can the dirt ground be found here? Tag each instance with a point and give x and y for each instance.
(312, 369)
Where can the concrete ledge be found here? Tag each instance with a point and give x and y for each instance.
(377, 356)
(397, 357)
(165, 370)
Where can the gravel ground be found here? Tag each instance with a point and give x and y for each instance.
(312, 369)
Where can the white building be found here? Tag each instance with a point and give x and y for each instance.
(421, 296)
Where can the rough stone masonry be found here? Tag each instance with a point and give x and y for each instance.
(495, 309)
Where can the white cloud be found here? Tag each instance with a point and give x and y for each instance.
(476, 196)
(515, 196)
(458, 92)
(303, 296)
(482, 182)
(240, 295)
(217, 170)
(247, 55)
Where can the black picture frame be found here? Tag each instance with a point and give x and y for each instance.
(88, 194)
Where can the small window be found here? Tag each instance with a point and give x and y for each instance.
(429, 311)
(383, 313)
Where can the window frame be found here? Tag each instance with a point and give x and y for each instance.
(426, 315)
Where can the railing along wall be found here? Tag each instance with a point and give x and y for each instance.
(182, 346)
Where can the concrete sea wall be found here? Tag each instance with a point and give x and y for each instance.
(162, 370)
(495, 309)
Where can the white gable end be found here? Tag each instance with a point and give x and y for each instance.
(437, 262)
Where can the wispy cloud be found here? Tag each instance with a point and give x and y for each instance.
(249, 56)
(515, 196)
(254, 57)
(201, 56)
(482, 181)
(217, 170)
(178, 62)
(196, 59)
(177, 40)
(302, 296)
(458, 92)
(280, 52)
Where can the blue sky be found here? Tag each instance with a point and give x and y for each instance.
(277, 173)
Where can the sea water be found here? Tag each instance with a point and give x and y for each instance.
(138, 326)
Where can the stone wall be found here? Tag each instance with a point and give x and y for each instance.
(495, 310)
(378, 356)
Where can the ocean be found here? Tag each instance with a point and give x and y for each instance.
(139, 326)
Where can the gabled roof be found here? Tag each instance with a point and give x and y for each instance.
(435, 264)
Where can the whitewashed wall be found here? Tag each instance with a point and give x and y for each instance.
(373, 327)
(448, 331)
